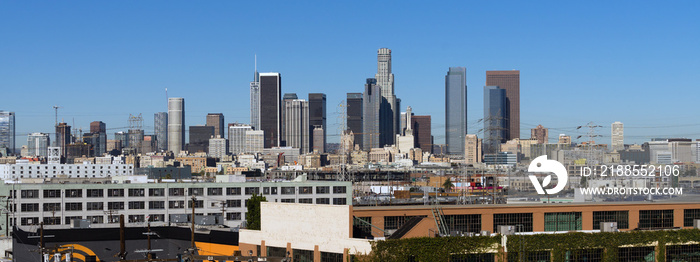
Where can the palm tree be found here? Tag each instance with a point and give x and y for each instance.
(448, 184)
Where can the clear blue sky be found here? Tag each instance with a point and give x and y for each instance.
(603, 61)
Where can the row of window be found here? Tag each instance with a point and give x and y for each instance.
(100, 219)
(157, 192)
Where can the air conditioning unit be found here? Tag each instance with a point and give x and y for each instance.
(485, 232)
(80, 223)
(506, 230)
(608, 226)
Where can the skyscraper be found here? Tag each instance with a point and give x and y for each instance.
(390, 111)
(296, 124)
(160, 126)
(283, 135)
(319, 140)
(371, 102)
(472, 149)
(199, 138)
(495, 115)
(455, 109)
(98, 131)
(237, 138)
(7, 131)
(617, 136)
(270, 108)
(317, 118)
(255, 99)
(176, 124)
(217, 121)
(422, 133)
(63, 137)
(508, 80)
(541, 134)
(38, 144)
(354, 120)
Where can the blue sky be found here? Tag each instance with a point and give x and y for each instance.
(631, 61)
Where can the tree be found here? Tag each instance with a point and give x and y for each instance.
(447, 185)
(252, 216)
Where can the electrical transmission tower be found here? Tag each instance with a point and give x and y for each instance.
(591, 140)
(135, 122)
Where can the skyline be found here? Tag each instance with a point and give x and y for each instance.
(71, 55)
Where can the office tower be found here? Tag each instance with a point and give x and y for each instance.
(472, 149)
(564, 139)
(618, 141)
(510, 82)
(317, 117)
(297, 124)
(148, 144)
(403, 124)
(541, 134)
(455, 109)
(176, 124)
(199, 138)
(283, 135)
(354, 116)
(254, 141)
(63, 137)
(123, 137)
(136, 140)
(237, 138)
(218, 147)
(319, 140)
(114, 145)
(7, 131)
(38, 144)
(160, 127)
(421, 126)
(270, 108)
(98, 131)
(371, 102)
(495, 115)
(390, 107)
(255, 99)
(217, 121)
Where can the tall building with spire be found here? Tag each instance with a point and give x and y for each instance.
(255, 99)
(390, 123)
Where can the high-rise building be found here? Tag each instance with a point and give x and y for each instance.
(38, 144)
(564, 139)
(421, 126)
(237, 138)
(455, 109)
(271, 108)
(98, 132)
(218, 147)
(317, 117)
(123, 137)
(541, 134)
(390, 107)
(136, 140)
(7, 131)
(176, 124)
(254, 141)
(618, 136)
(199, 138)
(217, 121)
(354, 113)
(296, 124)
(255, 99)
(495, 115)
(160, 127)
(283, 129)
(63, 137)
(371, 103)
(472, 149)
(509, 80)
(319, 139)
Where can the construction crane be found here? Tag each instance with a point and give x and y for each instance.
(55, 108)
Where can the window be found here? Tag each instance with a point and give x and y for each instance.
(363, 225)
(233, 203)
(96, 219)
(252, 190)
(324, 201)
(137, 192)
(52, 207)
(581, 255)
(156, 192)
(233, 191)
(69, 220)
(688, 216)
(95, 193)
(216, 191)
(482, 257)
(156, 204)
(656, 218)
(198, 191)
(30, 207)
(136, 218)
(176, 204)
(322, 190)
(137, 205)
(288, 190)
(635, 254)
(52, 193)
(28, 221)
(621, 217)
(113, 192)
(464, 223)
(339, 190)
(562, 221)
(233, 216)
(287, 200)
(115, 205)
(74, 206)
(29, 193)
(197, 204)
(156, 217)
(266, 190)
(395, 222)
(95, 206)
(52, 220)
(74, 193)
(513, 219)
(305, 190)
(302, 255)
(306, 200)
(177, 192)
(683, 252)
(113, 219)
(530, 256)
(340, 201)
